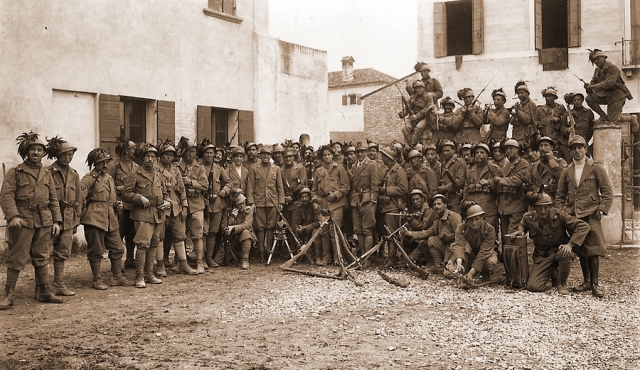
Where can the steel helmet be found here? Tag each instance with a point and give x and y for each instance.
(474, 210)
(544, 199)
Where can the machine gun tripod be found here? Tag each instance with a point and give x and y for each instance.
(279, 239)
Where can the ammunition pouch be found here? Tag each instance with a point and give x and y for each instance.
(508, 189)
(192, 192)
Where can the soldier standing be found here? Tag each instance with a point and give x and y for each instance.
(68, 191)
(469, 119)
(100, 220)
(419, 175)
(119, 169)
(364, 197)
(582, 116)
(606, 87)
(445, 130)
(329, 192)
(546, 171)
(498, 157)
(523, 115)
(338, 156)
(498, 118)
(294, 178)
(392, 193)
(552, 256)
(479, 186)
(278, 155)
(584, 191)
(551, 120)
(33, 215)
(251, 150)
(451, 176)
(511, 201)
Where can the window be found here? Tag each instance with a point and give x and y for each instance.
(557, 23)
(135, 118)
(458, 27)
(352, 99)
(222, 126)
(223, 9)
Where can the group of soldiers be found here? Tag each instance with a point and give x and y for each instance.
(454, 194)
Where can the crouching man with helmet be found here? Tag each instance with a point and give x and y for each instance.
(238, 221)
(553, 252)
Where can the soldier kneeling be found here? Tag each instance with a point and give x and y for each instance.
(239, 221)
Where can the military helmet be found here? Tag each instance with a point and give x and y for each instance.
(544, 199)
(483, 146)
(389, 153)
(417, 191)
(249, 145)
(425, 67)
(547, 139)
(25, 141)
(511, 142)
(237, 150)
(305, 190)
(278, 148)
(413, 153)
(266, 149)
(96, 156)
(418, 83)
(447, 101)
(361, 146)
(290, 152)
(474, 210)
(350, 149)
(550, 91)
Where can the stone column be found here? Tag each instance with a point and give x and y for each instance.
(607, 143)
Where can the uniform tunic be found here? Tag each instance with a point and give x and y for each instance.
(267, 180)
(476, 249)
(451, 181)
(484, 194)
(423, 178)
(334, 180)
(364, 195)
(524, 126)
(498, 120)
(467, 125)
(68, 191)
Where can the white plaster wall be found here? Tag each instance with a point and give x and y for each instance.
(347, 117)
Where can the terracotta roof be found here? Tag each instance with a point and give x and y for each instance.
(347, 136)
(360, 77)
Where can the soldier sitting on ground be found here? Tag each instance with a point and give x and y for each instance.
(238, 221)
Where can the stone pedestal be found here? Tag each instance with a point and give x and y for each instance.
(607, 144)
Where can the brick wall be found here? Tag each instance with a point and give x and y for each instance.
(381, 122)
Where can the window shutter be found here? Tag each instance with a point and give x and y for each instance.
(478, 26)
(203, 129)
(228, 7)
(574, 12)
(215, 5)
(439, 30)
(166, 120)
(538, 21)
(359, 99)
(111, 112)
(245, 126)
(344, 100)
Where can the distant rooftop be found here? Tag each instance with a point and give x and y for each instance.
(360, 77)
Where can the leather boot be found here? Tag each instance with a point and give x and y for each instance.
(36, 290)
(564, 269)
(166, 249)
(149, 276)
(317, 246)
(160, 270)
(129, 262)
(326, 249)
(140, 259)
(208, 253)
(59, 288)
(586, 274)
(260, 246)
(244, 256)
(97, 278)
(594, 266)
(9, 289)
(181, 255)
(117, 278)
(368, 244)
(199, 249)
(45, 292)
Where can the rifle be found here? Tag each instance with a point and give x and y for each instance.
(373, 250)
(600, 93)
(424, 275)
(303, 250)
(481, 91)
(572, 122)
(406, 103)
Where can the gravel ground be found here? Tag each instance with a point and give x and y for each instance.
(266, 319)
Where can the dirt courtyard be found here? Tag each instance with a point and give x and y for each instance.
(267, 319)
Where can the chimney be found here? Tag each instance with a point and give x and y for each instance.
(347, 68)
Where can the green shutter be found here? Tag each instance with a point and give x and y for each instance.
(439, 30)
(111, 116)
(166, 120)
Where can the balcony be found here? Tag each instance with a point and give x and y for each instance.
(630, 55)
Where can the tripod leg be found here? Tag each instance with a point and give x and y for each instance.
(288, 248)
(273, 248)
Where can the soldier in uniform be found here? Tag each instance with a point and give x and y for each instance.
(294, 178)
(278, 155)
(238, 221)
(583, 117)
(584, 191)
(144, 188)
(330, 190)
(419, 175)
(606, 87)
(307, 223)
(523, 115)
(32, 212)
(438, 237)
(119, 169)
(546, 171)
(511, 201)
(215, 202)
(431, 85)
(364, 197)
(444, 125)
(551, 120)
(196, 183)
(433, 162)
(251, 150)
(392, 193)
(498, 118)
(268, 193)
(67, 183)
(497, 155)
(468, 119)
(552, 256)
(451, 176)
(175, 215)
(479, 185)
(473, 248)
(421, 112)
(339, 156)
(466, 155)
(241, 177)
(101, 226)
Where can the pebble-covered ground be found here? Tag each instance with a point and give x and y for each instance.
(267, 319)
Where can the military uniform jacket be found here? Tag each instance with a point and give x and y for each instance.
(427, 215)
(511, 187)
(443, 227)
(479, 243)
(331, 181)
(546, 174)
(218, 180)
(119, 171)
(307, 216)
(584, 122)
(549, 234)
(498, 120)
(29, 193)
(68, 192)
(593, 193)
(175, 188)
(482, 194)
(243, 180)
(197, 173)
(430, 85)
(266, 180)
(424, 179)
(151, 186)
(242, 221)
(558, 131)
(608, 79)
(394, 190)
(467, 125)
(445, 123)
(99, 193)
(365, 182)
(523, 122)
(294, 178)
(451, 177)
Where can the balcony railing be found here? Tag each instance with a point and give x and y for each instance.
(630, 53)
